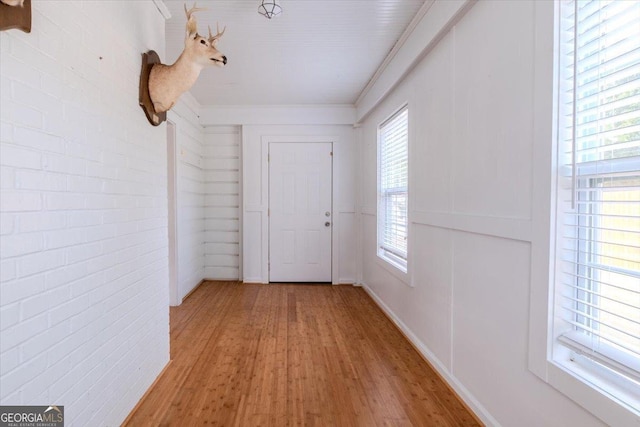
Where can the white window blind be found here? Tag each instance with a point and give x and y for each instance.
(392, 195)
(599, 184)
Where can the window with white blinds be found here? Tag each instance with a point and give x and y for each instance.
(598, 205)
(393, 162)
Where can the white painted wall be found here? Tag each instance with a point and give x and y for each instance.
(84, 318)
(256, 201)
(191, 190)
(222, 203)
(83, 250)
(472, 112)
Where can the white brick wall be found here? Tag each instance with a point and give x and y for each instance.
(83, 212)
(222, 202)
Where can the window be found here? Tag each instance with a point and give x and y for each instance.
(596, 329)
(393, 147)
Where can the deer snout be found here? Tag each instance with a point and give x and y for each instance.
(219, 60)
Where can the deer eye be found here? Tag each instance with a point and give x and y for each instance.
(203, 42)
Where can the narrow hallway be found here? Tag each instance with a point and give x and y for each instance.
(293, 355)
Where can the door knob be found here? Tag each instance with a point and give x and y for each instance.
(327, 224)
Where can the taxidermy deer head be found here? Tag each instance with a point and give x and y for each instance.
(167, 83)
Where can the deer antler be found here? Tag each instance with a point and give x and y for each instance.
(218, 35)
(168, 82)
(192, 24)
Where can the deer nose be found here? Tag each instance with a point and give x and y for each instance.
(224, 60)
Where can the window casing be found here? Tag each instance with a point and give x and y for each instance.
(596, 310)
(393, 170)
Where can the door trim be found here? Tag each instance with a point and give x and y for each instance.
(172, 214)
(265, 141)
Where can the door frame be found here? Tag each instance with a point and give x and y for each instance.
(172, 214)
(266, 140)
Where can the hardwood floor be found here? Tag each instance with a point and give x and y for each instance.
(287, 355)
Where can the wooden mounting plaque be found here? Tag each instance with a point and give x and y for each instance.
(148, 60)
(16, 17)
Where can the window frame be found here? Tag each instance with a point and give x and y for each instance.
(587, 384)
(392, 262)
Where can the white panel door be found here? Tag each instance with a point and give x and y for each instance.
(300, 214)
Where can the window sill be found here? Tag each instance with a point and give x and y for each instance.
(601, 395)
(394, 269)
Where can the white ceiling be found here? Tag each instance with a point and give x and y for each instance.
(316, 52)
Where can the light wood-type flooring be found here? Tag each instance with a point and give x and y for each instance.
(289, 355)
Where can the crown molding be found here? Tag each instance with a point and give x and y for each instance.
(396, 47)
(422, 35)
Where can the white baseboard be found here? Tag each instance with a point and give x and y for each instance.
(473, 404)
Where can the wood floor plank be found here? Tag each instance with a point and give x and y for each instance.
(293, 355)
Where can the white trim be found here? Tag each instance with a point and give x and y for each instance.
(473, 404)
(434, 25)
(335, 247)
(172, 214)
(162, 8)
(394, 269)
(240, 204)
(264, 200)
(572, 379)
(396, 47)
(338, 114)
(507, 228)
(604, 353)
(590, 396)
(359, 208)
(401, 272)
(543, 182)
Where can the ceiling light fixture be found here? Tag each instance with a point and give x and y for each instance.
(270, 8)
